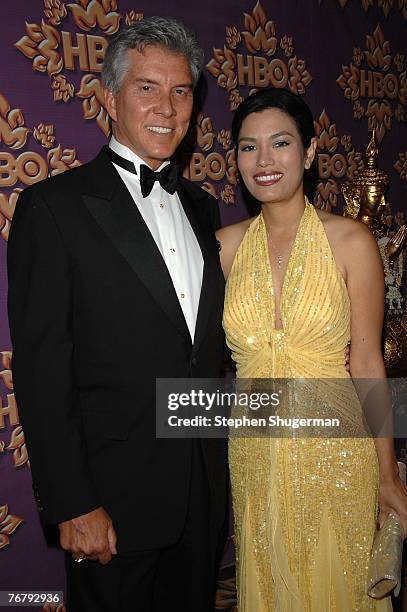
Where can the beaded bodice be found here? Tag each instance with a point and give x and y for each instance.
(314, 307)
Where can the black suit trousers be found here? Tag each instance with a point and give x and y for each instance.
(181, 577)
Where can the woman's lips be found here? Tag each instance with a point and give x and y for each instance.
(265, 180)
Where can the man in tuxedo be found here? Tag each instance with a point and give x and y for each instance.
(114, 281)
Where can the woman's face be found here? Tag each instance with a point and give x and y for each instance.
(271, 157)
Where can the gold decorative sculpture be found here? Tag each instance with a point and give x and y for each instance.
(365, 200)
(365, 194)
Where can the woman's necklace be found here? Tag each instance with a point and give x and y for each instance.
(279, 256)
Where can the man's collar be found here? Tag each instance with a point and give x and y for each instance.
(128, 154)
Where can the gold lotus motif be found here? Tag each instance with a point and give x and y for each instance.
(13, 131)
(89, 14)
(8, 525)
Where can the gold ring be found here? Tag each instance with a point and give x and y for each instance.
(78, 557)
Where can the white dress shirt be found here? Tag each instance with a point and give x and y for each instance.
(168, 224)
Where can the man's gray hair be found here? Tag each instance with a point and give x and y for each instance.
(157, 32)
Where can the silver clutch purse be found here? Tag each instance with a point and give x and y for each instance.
(384, 573)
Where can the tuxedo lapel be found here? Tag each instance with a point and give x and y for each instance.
(210, 257)
(113, 209)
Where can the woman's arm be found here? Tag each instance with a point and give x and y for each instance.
(365, 282)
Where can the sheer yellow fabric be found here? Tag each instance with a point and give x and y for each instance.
(305, 508)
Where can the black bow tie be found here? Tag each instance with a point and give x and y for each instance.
(167, 177)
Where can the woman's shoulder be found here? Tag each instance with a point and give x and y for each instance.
(229, 238)
(234, 232)
(345, 229)
(353, 245)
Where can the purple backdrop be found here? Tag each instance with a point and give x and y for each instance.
(347, 58)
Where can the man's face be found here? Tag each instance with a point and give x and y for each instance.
(151, 112)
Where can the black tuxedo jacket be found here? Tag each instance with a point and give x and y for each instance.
(94, 320)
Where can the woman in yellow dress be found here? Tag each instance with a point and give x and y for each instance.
(302, 283)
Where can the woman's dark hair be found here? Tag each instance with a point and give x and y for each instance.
(284, 100)
(298, 110)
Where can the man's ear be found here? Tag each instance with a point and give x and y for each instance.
(310, 153)
(110, 103)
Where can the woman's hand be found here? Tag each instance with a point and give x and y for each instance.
(393, 496)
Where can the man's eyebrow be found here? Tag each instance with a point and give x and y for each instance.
(145, 80)
(276, 135)
(152, 82)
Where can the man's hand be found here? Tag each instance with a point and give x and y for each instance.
(91, 534)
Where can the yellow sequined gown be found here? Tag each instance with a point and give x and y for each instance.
(305, 509)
